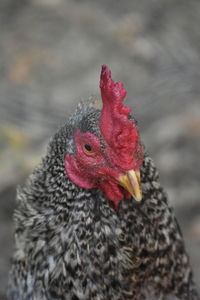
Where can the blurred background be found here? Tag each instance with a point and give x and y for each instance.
(51, 52)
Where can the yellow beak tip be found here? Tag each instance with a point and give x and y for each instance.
(131, 182)
(138, 197)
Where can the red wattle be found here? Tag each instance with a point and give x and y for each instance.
(112, 191)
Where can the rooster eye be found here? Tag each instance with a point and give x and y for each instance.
(87, 148)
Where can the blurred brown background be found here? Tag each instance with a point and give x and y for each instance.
(51, 52)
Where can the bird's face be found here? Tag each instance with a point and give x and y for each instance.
(110, 160)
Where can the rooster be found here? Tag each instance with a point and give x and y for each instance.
(92, 221)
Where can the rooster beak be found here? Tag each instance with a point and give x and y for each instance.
(131, 182)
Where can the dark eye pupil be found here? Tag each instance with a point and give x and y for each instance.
(88, 147)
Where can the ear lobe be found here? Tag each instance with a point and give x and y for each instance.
(73, 171)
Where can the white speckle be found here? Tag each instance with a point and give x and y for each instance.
(51, 262)
(64, 270)
(30, 282)
(107, 230)
(78, 258)
(156, 184)
(19, 254)
(69, 195)
(67, 257)
(118, 231)
(88, 221)
(40, 244)
(187, 274)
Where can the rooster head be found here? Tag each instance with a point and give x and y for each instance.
(107, 149)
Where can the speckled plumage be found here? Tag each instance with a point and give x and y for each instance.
(72, 244)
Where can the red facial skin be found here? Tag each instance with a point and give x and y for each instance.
(93, 169)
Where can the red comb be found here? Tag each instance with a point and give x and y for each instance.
(119, 132)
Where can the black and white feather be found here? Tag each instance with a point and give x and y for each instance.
(71, 244)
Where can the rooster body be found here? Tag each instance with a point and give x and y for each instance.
(75, 243)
